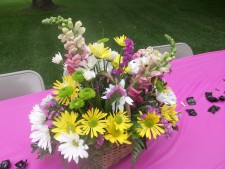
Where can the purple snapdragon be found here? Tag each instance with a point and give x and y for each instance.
(127, 56)
(128, 52)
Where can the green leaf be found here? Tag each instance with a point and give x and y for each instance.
(159, 86)
(135, 136)
(41, 153)
(138, 146)
(104, 40)
(108, 104)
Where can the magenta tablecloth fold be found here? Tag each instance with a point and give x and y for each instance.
(199, 143)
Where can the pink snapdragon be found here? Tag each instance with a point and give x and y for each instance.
(138, 53)
(74, 62)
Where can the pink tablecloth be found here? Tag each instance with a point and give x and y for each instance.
(199, 143)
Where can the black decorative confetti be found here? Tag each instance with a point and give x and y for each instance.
(5, 164)
(191, 101)
(21, 164)
(213, 109)
(191, 112)
(210, 97)
(222, 98)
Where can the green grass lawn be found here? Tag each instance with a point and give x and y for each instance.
(25, 43)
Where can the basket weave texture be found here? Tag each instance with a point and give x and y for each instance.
(112, 157)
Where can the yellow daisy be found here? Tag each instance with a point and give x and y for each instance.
(93, 122)
(121, 40)
(115, 135)
(121, 120)
(149, 125)
(66, 122)
(66, 91)
(169, 113)
(100, 51)
(116, 61)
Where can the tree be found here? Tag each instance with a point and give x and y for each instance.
(43, 4)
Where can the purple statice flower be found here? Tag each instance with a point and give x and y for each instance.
(167, 127)
(99, 141)
(50, 104)
(152, 109)
(142, 116)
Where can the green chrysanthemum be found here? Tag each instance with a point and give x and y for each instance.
(78, 76)
(76, 103)
(87, 93)
(65, 91)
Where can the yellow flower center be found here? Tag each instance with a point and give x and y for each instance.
(70, 127)
(118, 119)
(116, 133)
(93, 122)
(149, 123)
(65, 91)
(75, 144)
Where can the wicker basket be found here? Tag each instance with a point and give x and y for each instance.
(112, 157)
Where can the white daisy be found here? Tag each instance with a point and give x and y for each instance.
(167, 97)
(42, 136)
(89, 74)
(89, 62)
(57, 59)
(103, 64)
(120, 101)
(46, 100)
(65, 71)
(120, 104)
(37, 117)
(72, 147)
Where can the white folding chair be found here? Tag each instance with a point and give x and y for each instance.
(183, 49)
(20, 83)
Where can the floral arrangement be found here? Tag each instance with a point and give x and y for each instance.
(104, 98)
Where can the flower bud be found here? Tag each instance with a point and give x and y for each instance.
(70, 24)
(65, 30)
(168, 59)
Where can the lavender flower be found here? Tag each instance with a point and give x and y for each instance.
(167, 127)
(99, 141)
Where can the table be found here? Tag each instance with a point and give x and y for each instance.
(199, 143)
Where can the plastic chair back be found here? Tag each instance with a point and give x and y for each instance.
(183, 49)
(20, 83)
